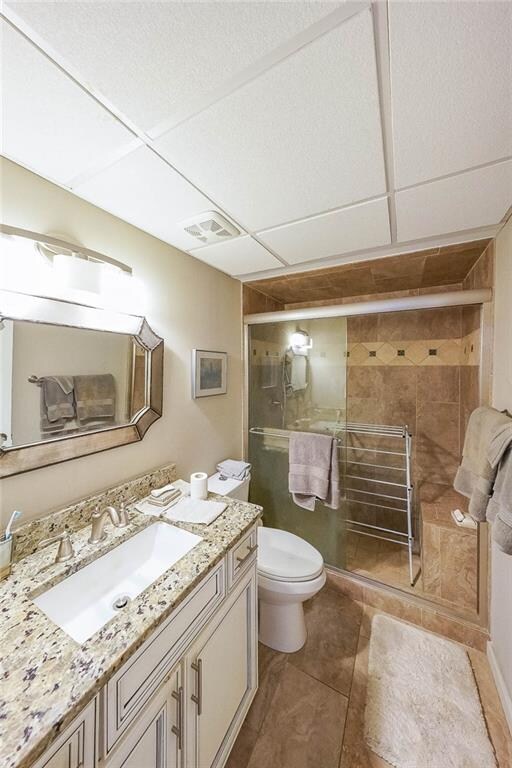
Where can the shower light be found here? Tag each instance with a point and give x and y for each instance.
(300, 341)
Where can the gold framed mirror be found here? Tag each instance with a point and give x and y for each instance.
(74, 380)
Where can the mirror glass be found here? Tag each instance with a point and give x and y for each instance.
(58, 381)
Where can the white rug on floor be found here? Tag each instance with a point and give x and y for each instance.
(422, 704)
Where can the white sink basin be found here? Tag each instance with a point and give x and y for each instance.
(84, 602)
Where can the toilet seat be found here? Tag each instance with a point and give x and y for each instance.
(283, 556)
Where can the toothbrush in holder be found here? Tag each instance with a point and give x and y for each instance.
(14, 516)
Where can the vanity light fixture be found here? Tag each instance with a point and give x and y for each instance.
(53, 266)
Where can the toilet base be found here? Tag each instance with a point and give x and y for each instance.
(282, 627)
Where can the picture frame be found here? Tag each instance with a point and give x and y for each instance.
(209, 373)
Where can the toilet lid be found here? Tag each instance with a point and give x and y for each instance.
(284, 556)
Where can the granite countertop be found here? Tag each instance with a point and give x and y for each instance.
(46, 677)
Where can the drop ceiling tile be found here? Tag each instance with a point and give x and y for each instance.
(466, 201)
(238, 256)
(143, 190)
(351, 229)
(451, 82)
(149, 58)
(302, 138)
(48, 123)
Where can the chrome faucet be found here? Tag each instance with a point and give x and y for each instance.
(98, 523)
(65, 550)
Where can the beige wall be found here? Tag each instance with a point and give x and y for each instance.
(501, 578)
(190, 305)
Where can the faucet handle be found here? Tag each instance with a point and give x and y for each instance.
(124, 518)
(65, 550)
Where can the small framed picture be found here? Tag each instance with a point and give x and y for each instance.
(209, 373)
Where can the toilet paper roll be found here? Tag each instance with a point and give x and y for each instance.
(199, 485)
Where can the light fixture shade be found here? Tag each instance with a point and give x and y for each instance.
(77, 274)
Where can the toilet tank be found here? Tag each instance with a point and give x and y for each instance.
(235, 489)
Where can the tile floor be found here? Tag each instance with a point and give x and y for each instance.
(309, 709)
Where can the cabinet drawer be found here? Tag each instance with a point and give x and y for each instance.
(128, 690)
(76, 747)
(242, 556)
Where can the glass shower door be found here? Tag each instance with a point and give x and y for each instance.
(297, 382)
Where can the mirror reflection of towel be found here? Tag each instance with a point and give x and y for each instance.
(95, 398)
(57, 406)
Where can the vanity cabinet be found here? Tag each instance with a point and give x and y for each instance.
(222, 678)
(180, 699)
(155, 738)
(76, 746)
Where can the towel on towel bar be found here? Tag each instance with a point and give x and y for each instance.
(475, 476)
(59, 401)
(96, 398)
(57, 406)
(313, 470)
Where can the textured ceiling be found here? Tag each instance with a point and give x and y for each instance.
(327, 132)
(427, 269)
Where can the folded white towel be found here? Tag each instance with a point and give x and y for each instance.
(238, 470)
(188, 510)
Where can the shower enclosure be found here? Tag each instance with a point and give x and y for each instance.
(298, 382)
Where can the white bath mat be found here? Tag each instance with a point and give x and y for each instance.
(422, 704)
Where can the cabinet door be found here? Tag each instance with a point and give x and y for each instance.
(222, 678)
(76, 747)
(154, 740)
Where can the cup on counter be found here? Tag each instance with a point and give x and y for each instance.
(199, 485)
(5, 555)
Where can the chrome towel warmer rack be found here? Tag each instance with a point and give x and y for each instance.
(382, 498)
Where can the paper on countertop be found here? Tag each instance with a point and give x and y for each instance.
(187, 510)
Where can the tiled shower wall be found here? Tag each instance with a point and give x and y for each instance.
(418, 368)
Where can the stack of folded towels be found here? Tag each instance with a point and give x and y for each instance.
(162, 497)
(236, 470)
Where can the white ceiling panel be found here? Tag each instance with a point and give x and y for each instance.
(355, 228)
(451, 81)
(302, 138)
(143, 190)
(473, 199)
(148, 58)
(48, 123)
(238, 257)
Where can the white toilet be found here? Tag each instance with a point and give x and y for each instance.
(290, 571)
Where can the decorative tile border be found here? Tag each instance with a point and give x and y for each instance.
(431, 352)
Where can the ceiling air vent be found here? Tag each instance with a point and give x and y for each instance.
(210, 227)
